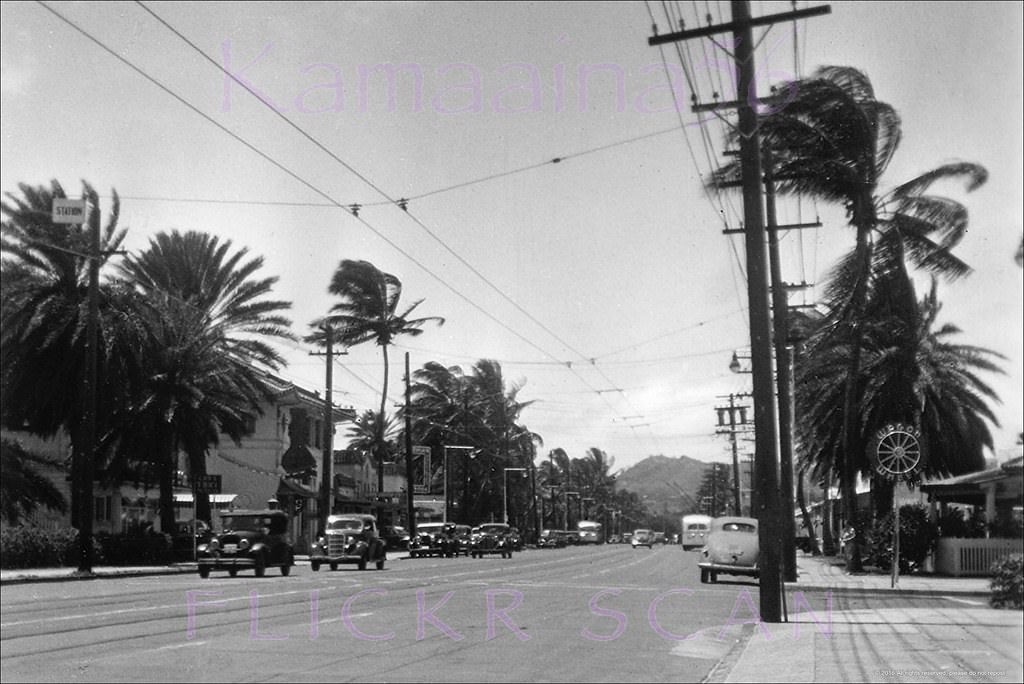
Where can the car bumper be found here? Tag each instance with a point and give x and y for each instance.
(226, 562)
(728, 569)
(325, 559)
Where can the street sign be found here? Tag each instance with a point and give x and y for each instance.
(421, 470)
(69, 211)
(207, 484)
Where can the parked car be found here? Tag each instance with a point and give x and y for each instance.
(615, 539)
(643, 538)
(732, 548)
(659, 538)
(431, 539)
(185, 543)
(349, 538)
(492, 538)
(572, 537)
(627, 537)
(395, 538)
(250, 539)
(551, 539)
(515, 538)
(464, 537)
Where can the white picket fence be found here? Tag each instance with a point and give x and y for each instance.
(972, 557)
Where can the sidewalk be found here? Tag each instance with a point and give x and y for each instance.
(930, 629)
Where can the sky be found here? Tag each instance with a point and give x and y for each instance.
(602, 282)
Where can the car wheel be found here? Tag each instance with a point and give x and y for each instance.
(233, 572)
(362, 563)
(703, 576)
(334, 566)
(380, 564)
(287, 567)
(261, 565)
(314, 566)
(204, 572)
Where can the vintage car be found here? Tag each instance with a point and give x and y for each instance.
(433, 539)
(642, 538)
(349, 538)
(732, 548)
(395, 537)
(695, 531)
(515, 538)
(492, 538)
(249, 539)
(551, 539)
(464, 537)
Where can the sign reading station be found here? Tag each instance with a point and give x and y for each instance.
(68, 211)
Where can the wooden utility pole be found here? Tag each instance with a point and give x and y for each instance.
(765, 421)
(410, 504)
(327, 480)
(86, 513)
(731, 429)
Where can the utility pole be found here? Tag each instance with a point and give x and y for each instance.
(85, 514)
(765, 425)
(327, 486)
(731, 430)
(326, 503)
(410, 507)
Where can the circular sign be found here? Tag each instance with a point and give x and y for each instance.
(897, 450)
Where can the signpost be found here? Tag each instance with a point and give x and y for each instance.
(897, 456)
(421, 469)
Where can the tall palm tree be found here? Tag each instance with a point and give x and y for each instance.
(202, 342)
(45, 281)
(368, 312)
(834, 141)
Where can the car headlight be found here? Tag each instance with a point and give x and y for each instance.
(244, 544)
(213, 545)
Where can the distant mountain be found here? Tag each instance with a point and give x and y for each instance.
(653, 478)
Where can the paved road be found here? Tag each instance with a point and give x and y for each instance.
(608, 613)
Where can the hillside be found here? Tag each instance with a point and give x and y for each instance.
(652, 480)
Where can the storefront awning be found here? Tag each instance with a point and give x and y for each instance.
(215, 499)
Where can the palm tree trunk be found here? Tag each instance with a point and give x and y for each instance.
(380, 423)
(852, 446)
(167, 465)
(805, 515)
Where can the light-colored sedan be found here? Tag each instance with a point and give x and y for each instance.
(732, 548)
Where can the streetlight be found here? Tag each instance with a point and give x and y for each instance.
(470, 449)
(735, 366)
(504, 489)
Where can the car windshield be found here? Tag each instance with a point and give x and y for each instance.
(641, 533)
(354, 524)
(697, 526)
(739, 527)
(245, 522)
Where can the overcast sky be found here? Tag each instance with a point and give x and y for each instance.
(602, 283)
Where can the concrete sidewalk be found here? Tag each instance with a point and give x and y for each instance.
(930, 629)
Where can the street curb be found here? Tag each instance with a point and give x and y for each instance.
(884, 591)
(75, 577)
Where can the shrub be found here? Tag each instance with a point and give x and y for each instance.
(1008, 582)
(25, 546)
(955, 523)
(918, 536)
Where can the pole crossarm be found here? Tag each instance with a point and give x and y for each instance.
(735, 25)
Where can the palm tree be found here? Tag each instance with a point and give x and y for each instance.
(45, 280)
(368, 311)
(834, 141)
(201, 343)
(22, 488)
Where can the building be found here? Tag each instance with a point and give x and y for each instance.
(279, 461)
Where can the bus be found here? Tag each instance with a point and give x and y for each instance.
(590, 532)
(695, 531)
